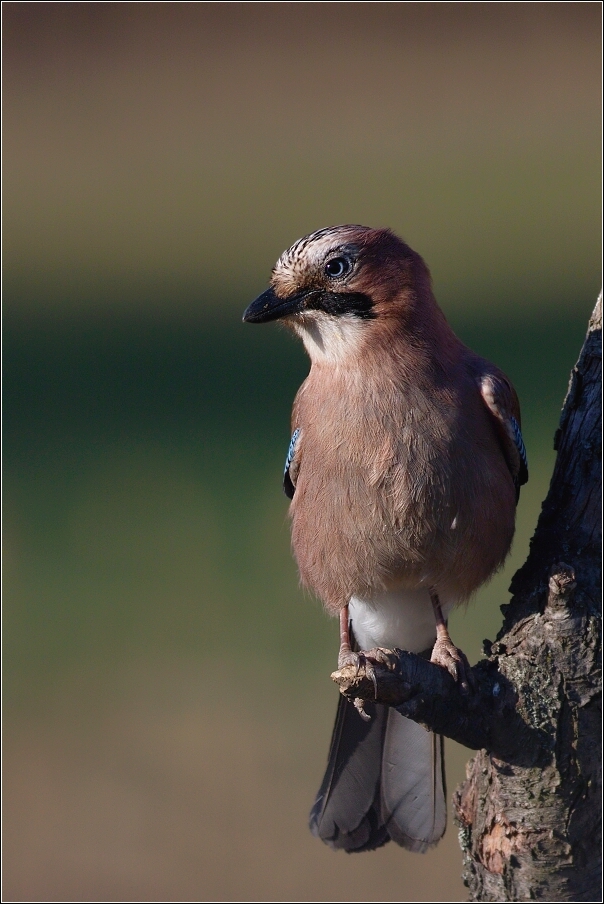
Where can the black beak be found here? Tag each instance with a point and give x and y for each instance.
(269, 306)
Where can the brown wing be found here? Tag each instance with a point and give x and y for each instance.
(500, 397)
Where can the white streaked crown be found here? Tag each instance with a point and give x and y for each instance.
(307, 254)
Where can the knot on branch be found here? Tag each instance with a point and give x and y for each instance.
(562, 585)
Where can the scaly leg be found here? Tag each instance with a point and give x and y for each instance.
(345, 656)
(446, 654)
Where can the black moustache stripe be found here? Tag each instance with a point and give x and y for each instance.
(336, 303)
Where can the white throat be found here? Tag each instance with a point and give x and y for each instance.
(329, 339)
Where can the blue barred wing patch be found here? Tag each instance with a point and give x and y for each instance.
(288, 486)
(523, 475)
(292, 449)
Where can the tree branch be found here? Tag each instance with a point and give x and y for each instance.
(530, 810)
(488, 718)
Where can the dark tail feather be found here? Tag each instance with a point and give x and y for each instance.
(346, 813)
(384, 779)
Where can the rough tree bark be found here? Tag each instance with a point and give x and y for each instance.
(529, 812)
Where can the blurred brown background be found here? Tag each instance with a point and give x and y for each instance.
(167, 698)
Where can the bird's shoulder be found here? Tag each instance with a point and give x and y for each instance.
(501, 401)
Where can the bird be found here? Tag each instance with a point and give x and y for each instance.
(404, 470)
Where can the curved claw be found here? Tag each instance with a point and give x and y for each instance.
(454, 660)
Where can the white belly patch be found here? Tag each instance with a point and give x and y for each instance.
(397, 618)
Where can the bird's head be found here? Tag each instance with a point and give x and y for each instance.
(334, 287)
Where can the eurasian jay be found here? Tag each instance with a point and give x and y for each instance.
(403, 471)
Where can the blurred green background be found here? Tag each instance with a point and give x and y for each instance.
(168, 706)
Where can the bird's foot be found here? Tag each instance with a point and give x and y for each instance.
(365, 662)
(454, 660)
(360, 662)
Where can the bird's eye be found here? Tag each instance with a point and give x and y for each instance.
(338, 267)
